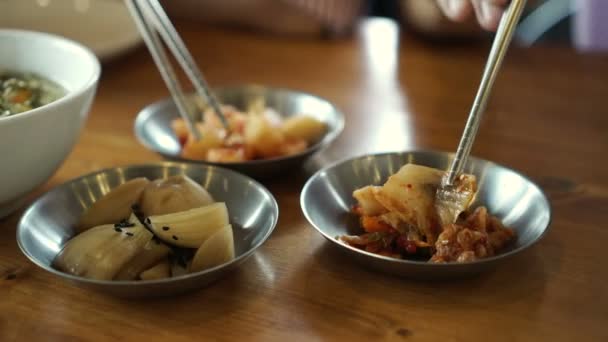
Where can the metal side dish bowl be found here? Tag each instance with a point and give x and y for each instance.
(153, 126)
(50, 222)
(515, 200)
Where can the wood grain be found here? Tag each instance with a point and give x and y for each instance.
(547, 118)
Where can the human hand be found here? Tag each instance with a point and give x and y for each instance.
(488, 12)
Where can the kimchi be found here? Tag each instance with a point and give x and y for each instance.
(402, 219)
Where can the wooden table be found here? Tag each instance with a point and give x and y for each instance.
(547, 118)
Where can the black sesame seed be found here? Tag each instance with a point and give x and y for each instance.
(148, 220)
(129, 233)
(117, 229)
(174, 237)
(165, 228)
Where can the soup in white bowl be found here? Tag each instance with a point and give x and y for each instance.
(34, 143)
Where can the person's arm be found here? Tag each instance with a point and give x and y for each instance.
(308, 17)
(263, 15)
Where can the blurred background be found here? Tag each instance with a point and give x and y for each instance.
(545, 21)
(105, 25)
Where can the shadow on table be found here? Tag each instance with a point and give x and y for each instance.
(287, 190)
(218, 301)
(378, 304)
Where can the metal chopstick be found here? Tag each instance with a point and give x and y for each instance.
(502, 40)
(182, 55)
(152, 21)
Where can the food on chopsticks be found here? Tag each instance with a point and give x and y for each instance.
(402, 219)
(20, 92)
(144, 230)
(258, 133)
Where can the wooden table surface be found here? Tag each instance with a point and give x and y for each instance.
(547, 119)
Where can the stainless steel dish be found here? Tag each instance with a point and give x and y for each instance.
(327, 198)
(153, 125)
(48, 223)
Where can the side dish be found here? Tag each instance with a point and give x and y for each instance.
(20, 92)
(401, 219)
(144, 230)
(259, 133)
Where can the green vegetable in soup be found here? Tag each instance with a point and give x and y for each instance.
(20, 92)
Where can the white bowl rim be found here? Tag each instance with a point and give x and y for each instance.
(64, 43)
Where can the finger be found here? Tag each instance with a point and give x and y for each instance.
(456, 10)
(489, 12)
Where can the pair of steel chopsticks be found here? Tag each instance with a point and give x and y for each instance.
(152, 22)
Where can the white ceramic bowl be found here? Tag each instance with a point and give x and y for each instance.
(104, 26)
(34, 143)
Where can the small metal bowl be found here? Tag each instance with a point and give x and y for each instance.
(327, 198)
(48, 224)
(153, 125)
